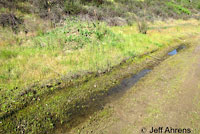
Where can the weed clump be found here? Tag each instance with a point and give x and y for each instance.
(7, 54)
(74, 35)
(142, 27)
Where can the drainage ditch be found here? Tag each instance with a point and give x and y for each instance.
(98, 102)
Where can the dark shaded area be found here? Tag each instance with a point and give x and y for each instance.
(10, 20)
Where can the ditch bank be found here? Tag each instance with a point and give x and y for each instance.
(70, 105)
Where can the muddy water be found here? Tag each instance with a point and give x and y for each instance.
(129, 82)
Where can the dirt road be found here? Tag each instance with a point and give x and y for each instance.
(166, 100)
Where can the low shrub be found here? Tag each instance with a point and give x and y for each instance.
(10, 20)
(142, 26)
(73, 7)
(74, 35)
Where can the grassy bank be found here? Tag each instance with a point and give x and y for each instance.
(93, 48)
(75, 48)
(68, 104)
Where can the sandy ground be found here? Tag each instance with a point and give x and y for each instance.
(167, 99)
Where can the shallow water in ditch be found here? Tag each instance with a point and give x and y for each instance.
(175, 51)
(129, 82)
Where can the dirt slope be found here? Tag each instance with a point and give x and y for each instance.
(169, 96)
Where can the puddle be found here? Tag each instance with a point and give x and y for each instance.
(129, 82)
(175, 51)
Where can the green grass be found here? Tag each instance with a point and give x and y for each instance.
(76, 47)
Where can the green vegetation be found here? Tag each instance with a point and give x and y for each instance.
(92, 48)
(75, 47)
(178, 8)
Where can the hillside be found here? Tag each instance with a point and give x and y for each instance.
(113, 12)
